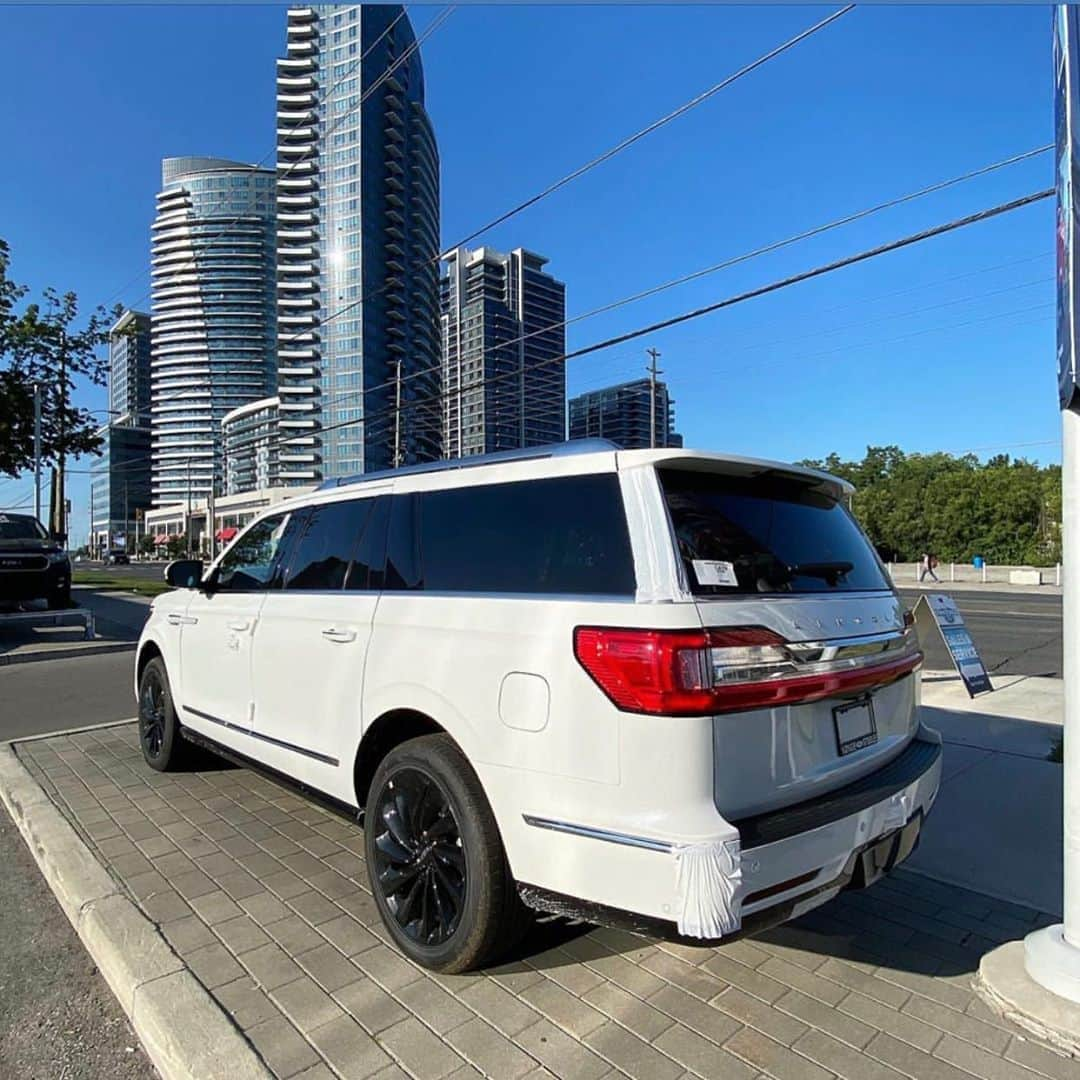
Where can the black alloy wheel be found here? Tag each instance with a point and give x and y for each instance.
(438, 871)
(419, 858)
(163, 747)
(152, 705)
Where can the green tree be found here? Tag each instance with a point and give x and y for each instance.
(50, 344)
(1007, 510)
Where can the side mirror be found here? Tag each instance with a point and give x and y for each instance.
(184, 573)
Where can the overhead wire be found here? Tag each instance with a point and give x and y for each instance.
(763, 290)
(724, 264)
(750, 294)
(605, 156)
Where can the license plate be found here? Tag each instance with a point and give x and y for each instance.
(855, 727)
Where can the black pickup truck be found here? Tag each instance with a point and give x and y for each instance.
(33, 564)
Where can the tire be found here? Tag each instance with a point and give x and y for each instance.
(435, 859)
(163, 747)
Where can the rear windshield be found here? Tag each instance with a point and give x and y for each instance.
(19, 527)
(776, 534)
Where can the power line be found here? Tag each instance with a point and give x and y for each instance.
(725, 264)
(832, 330)
(361, 100)
(637, 136)
(783, 283)
(629, 141)
(881, 249)
(806, 275)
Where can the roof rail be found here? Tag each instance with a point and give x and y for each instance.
(527, 453)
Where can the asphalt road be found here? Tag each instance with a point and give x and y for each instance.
(58, 1018)
(1015, 633)
(53, 695)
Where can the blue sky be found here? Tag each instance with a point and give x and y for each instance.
(947, 345)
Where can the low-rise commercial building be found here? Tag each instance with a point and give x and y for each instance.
(190, 526)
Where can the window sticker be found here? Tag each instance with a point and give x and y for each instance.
(714, 572)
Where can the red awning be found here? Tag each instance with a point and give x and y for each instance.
(227, 533)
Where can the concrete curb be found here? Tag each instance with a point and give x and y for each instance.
(185, 1033)
(1004, 984)
(87, 649)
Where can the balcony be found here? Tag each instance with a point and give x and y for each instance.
(299, 65)
(296, 116)
(296, 372)
(291, 100)
(296, 82)
(298, 200)
(300, 168)
(296, 184)
(291, 235)
(296, 268)
(294, 132)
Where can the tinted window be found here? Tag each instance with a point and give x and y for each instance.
(324, 550)
(402, 550)
(563, 535)
(18, 527)
(367, 565)
(251, 562)
(742, 535)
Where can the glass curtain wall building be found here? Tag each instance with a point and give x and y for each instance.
(358, 226)
(120, 476)
(249, 437)
(621, 414)
(129, 367)
(119, 487)
(213, 314)
(503, 339)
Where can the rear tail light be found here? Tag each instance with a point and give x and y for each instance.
(700, 672)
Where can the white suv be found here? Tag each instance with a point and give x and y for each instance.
(664, 689)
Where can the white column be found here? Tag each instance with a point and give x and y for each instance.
(1052, 955)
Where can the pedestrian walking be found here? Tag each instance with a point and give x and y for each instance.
(929, 562)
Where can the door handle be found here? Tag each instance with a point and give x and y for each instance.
(240, 625)
(331, 633)
(181, 620)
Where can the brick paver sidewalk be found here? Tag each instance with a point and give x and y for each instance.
(265, 897)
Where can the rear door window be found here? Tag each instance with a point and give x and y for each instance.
(324, 552)
(767, 534)
(561, 535)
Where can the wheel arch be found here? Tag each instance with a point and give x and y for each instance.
(390, 730)
(147, 651)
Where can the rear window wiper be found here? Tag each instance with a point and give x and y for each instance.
(829, 571)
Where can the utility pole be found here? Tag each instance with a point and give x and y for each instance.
(61, 502)
(211, 531)
(397, 414)
(127, 535)
(37, 451)
(187, 513)
(653, 372)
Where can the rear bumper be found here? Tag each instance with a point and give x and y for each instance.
(756, 871)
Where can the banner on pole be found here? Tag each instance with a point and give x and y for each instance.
(1066, 116)
(947, 618)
